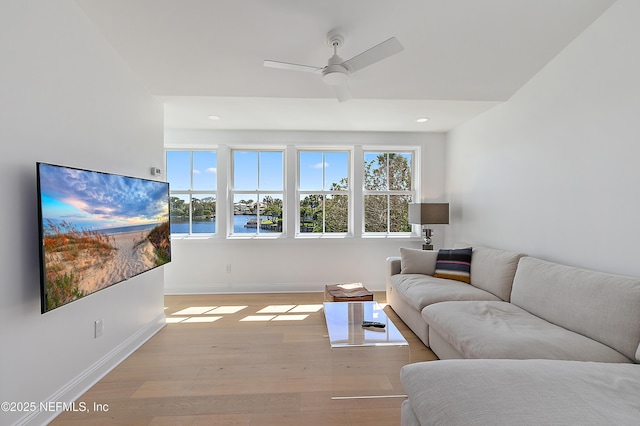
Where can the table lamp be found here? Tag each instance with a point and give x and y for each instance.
(428, 214)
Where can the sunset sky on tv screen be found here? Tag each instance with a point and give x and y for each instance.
(93, 200)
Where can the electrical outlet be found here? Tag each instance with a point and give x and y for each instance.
(99, 327)
(228, 269)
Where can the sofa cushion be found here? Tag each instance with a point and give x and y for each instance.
(486, 329)
(454, 264)
(407, 416)
(415, 261)
(419, 290)
(493, 270)
(601, 306)
(522, 392)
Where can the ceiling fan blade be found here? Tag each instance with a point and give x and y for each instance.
(376, 53)
(342, 92)
(292, 67)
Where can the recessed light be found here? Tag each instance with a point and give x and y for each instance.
(422, 120)
(214, 117)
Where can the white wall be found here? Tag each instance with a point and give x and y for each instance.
(65, 98)
(199, 265)
(554, 171)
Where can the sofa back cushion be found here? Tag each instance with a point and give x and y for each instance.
(493, 270)
(601, 306)
(454, 264)
(416, 261)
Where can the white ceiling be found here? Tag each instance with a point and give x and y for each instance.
(461, 57)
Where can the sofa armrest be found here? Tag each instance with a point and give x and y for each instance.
(393, 265)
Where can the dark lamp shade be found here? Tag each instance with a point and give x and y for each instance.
(428, 213)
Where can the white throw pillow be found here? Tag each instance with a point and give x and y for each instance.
(416, 261)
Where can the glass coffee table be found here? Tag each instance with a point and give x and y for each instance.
(344, 323)
(365, 363)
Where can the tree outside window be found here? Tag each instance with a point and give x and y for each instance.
(324, 194)
(324, 190)
(258, 191)
(388, 190)
(192, 177)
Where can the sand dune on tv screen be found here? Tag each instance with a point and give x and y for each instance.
(130, 258)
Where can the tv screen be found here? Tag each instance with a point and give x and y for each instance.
(97, 229)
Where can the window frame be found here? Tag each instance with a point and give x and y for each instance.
(193, 193)
(412, 192)
(291, 192)
(349, 192)
(258, 192)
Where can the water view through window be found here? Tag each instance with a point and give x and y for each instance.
(209, 226)
(323, 191)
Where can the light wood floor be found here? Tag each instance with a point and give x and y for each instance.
(232, 371)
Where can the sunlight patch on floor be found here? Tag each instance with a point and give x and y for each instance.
(202, 319)
(209, 314)
(307, 308)
(276, 309)
(173, 320)
(226, 310)
(195, 310)
(258, 318)
(290, 317)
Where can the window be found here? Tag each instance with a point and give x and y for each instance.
(324, 190)
(192, 177)
(388, 189)
(319, 191)
(258, 192)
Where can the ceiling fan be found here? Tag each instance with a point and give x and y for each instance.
(337, 71)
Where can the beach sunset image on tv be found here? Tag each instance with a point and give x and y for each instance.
(98, 229)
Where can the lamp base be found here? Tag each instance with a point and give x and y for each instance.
(427, 234)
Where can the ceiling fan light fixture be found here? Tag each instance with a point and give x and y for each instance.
(335, 75)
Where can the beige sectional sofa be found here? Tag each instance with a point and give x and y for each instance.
(504, 392)
(562, 346)
(410, 285)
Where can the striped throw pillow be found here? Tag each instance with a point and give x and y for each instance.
(454, 264)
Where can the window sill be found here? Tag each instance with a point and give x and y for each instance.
(319, 236)
(391, 237)
(175, 237)
(308, 237)
(256, 237)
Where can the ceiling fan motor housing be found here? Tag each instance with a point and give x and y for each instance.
(335, 74)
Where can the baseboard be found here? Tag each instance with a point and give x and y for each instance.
(81, 383)
(240, 288)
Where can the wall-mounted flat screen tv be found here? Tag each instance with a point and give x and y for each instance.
(97, 229)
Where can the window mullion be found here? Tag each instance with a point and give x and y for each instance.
(191, 171)
(258, 216)
(190, 192)
(324, 210)
(357, 175)
(388, 170)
